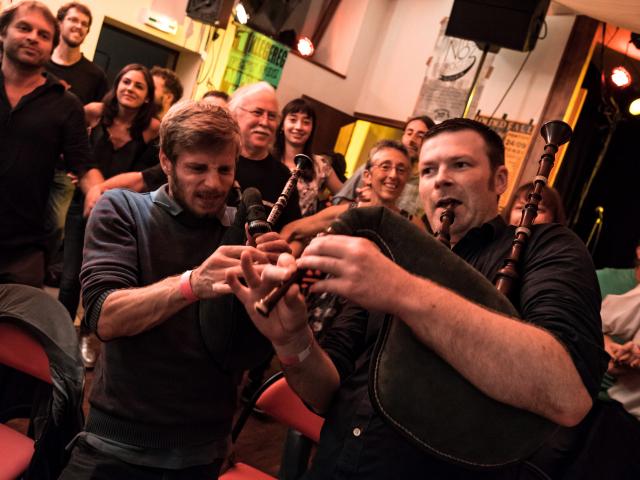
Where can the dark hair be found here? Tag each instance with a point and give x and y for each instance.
(550, 197)
(144, 114)
(383, 144)
(298, 105)
(338, 163)
(217, 94)
(429, 123)
(192, 126)
(171, 81)
(64, 9)
(492, 141)
(7, 16)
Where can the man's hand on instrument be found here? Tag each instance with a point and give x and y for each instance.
(209, 281)
(357, 271)
(288, 320)
(271, 243)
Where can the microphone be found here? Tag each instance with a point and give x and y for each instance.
(256, 213)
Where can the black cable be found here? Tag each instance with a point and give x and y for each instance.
(512, 82)
(546, 30)
(541, 37)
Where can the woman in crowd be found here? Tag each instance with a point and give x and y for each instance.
(294, 136)
(121, 128)
(385, 175)
(550, 209)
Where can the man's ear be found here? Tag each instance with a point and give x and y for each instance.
(168, 99)
(366, 178)
(165, 164)
(501, 179)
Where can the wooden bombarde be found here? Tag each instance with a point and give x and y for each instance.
(447, 217)
(303, 162)
(555, 133)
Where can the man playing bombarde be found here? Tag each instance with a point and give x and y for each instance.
(550, 363)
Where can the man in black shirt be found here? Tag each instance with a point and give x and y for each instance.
(39, 122)
(89, 83)
(80, 76)
(255, 108)
(550, 363)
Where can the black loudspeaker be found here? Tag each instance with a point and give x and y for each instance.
(211, 12)
(513, 24)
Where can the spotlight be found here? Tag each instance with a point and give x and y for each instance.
(634, 107)
(305, 46)
(621, 77)
(241, 14)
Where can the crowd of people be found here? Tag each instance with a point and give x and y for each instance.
(135, 193)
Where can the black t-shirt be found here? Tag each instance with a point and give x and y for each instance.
(558, 292)
(269, 176)
(84, 79)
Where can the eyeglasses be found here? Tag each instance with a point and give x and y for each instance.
(387, 167)
(259, 113)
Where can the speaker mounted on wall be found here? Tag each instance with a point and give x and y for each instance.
(499, 23)
(211, 12)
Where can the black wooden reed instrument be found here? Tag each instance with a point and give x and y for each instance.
(303, 163)
(555, 133)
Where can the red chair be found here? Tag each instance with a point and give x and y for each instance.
(276, 399)
(42, 378)
(22, 352)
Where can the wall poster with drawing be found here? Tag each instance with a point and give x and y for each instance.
(449, 77)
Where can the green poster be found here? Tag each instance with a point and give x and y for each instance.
(253, 57)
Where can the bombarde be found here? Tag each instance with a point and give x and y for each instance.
(303, 163)
(555, 134)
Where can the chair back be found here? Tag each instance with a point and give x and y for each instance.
(21, 351)
(284, 405)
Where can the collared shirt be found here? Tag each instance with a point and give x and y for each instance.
(46, 123)
(558, 292)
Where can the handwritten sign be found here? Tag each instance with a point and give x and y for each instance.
(449, 77)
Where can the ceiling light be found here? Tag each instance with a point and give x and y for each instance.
(621, 77)
(241, 14)
(634, 107)
(305, 46)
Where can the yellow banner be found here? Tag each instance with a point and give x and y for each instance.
(253, 57)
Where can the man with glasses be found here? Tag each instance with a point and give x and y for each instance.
(255, 108)
(412, 136)
(83, 78)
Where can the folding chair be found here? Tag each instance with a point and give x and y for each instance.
(276, 399)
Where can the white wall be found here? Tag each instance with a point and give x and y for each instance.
(131, 13)
(528, 95)
(396, 73)
(395, 77)
(381, 46)
(367, 18)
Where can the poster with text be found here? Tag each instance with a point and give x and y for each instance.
(253, 57)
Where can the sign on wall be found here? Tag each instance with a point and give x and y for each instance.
(516, 137)
(253, 57)
(449, 77)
